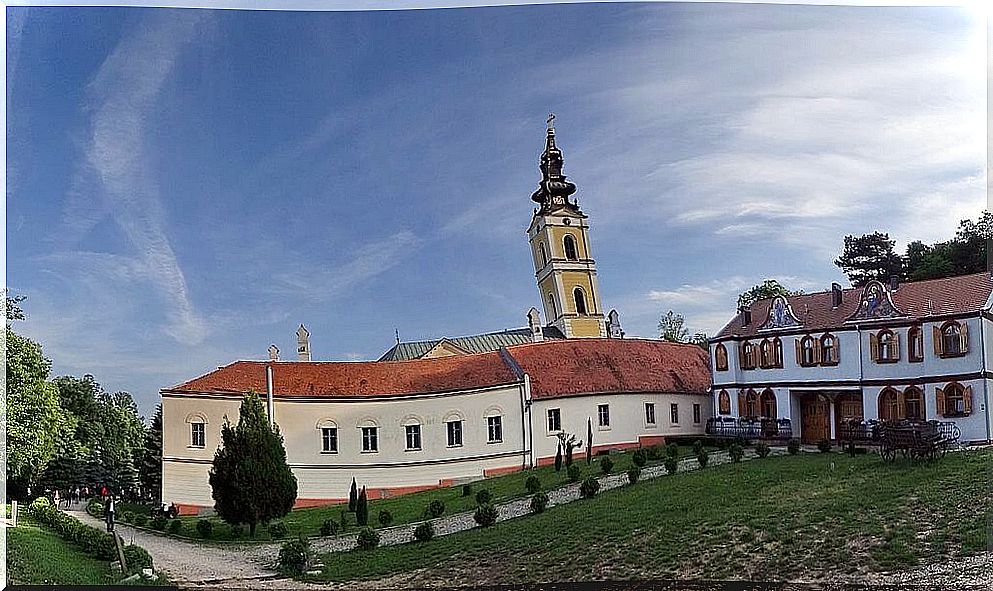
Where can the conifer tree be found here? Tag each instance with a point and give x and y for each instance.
(250, 480)
(589, 440)
(362, 509)
(353, 496)
(558, 457)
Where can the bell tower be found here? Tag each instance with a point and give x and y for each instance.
(560, 245)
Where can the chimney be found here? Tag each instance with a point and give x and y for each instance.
(534, 324)
(303, 344)
(746, 316)
(614, 326)
(273, 353)
(835, 295)
(894, 282)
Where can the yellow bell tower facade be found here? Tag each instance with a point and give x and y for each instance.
(560, 244)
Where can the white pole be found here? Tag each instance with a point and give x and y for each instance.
(268, 387)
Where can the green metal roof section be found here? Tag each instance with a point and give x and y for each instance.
(480, 343)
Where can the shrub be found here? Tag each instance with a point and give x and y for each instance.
(90, 538)
(39, 504)
(159, 522)
(793, 447)
(485, 515)
(606, 465)
(762, 449)
(671, 465)
(702, 458)
(735, 452)
(175, 526)
(697, 447)
(483, 497)
(672, 450)
(639, 458)
(140, 519)
(539, 502)
(435, 508)
(466, 490)
(589, 488)
(294, 556)
(237, 531)
(824, 445)
(106, 547)
(367, 539)
(532, 484)
(127, 517)
(424, 532)
(362, 509)
(278, 529)
(655, 452)
(137, 558)
(634, 474)
(329, 527)
(204, 528)
(344, 520)
(385, 518)
(574, 472)
(95, 510)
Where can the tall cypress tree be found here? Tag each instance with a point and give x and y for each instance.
(250, 479)
(353, 496)
(589, 440)
(362, 509)
(558, 457)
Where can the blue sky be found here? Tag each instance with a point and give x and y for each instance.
(184, 187)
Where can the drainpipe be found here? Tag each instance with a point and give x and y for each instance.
(986, 381)
(268, 393)
(528, 423)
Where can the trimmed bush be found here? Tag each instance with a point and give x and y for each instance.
(483, 497)
(634, 474)
(424, 532)
(589, 488)
(367, 539)
(294, 556)
(532, 484)
(435, 508)
(140, 520)
(485, 515)
(793, 447)
(278, 529)
(672, 450)
(824, 446)
(639, 458)
(106, 548)
(329, 528)
(344, 520)
(127, 517)
(574, 472)
(697, 447)
(539, 502)
(385, 518)
(671, 465)
(762, 449)
(655, 452)
(606, 465)
(237, 531)
(204, 528)
(159, 522)
(137, 558)
(175, 526)
(466, 490)
(735, 452)
(702, 458)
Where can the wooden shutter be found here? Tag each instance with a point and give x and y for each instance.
(896, 346)
(939, 395)
(967, 400)
(799, 354)
(874, 347)
(938, 347)
(901, 406)
(817, 351)
(741, 403)
(964, 338)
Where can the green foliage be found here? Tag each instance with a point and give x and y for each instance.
(672, 329)
(702, 458)
(294, 556)
(697, 447)
(868, 257)
(532, 484)
(176, 526)
(205, 528)
(237, 531)
(793, 446)
(159, 522)
(824, 445)
(769, 288)
(589, 488)
(278, 529)
(558, 457)
(362, 509)
(539, 502)
(736, 452)
(367, 539)
(466, 490)
(140, 519)
(353, 496)
(483, 497)
(671, 465)
(127, 517)
(150, 472)
(329, 528)
(137, 558)
(672, 450)
(963, 254)
(606, 464)
(385, 518)
(485, 515)
(762, 449)
(435, 508)
(89, 539)
(343, 519)
(250, 480)
(639, 458)
(634, 473)
(574, 472)
(424, 532)
(655, 452)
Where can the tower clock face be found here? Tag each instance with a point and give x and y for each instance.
(566, 221)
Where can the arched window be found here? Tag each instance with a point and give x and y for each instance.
(915, 344)
(751, 405)
(806, 352)
(765, 353)
(198, 429)
(747, 355)
(768, 404)
(913, 404)
(777, 352)
(952, 340)
(551, 306)
(954, 400)
(580, 301)
(890, 408)
(829, 350)
(884, 346)
(720, 357)
(724, 403)
(569, 243)
(543, 254)
(329, 436)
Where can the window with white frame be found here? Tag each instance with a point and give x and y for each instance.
(413, 436)
(329, 440)
(674, 413)
(454, 429)
(370, 439)
(603, 415)
(696, 413)
(198, 434)
(554, 420)
(494, 429)
(650, 413)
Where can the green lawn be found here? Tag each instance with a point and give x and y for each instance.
(37, 556)
(773, 519)
(410, 508)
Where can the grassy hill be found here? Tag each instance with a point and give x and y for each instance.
(780, 518)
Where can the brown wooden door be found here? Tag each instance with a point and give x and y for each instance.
(848, 407)
(814, 420)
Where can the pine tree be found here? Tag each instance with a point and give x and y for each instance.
(558, 457)
(250, 479)
(353, 496)
(151, 461)
(362, 509)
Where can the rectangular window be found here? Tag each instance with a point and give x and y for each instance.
(650, 413)
(454, 433)
(603, 415)
(494, 429)
(198, 434)
(674, 413)
(370, 439)
(696, 413)
(413, 437)
(329, 440)
(554, 420)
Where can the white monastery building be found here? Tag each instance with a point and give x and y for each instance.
(438, 412)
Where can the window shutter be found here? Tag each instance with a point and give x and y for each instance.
(896, 346)
(901, 406)
(967, 400)
(874, 347)
(741, 403)
(940, 401)
(817, 351)
(938, 348)
(964, 338)
(799, 354)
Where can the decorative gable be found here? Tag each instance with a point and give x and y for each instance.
(876, 304)
(780, 315)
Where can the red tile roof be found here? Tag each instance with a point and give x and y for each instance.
(358, 378)
(586, 366)
(951, 295)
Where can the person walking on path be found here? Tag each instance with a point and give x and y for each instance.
(108, 512)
